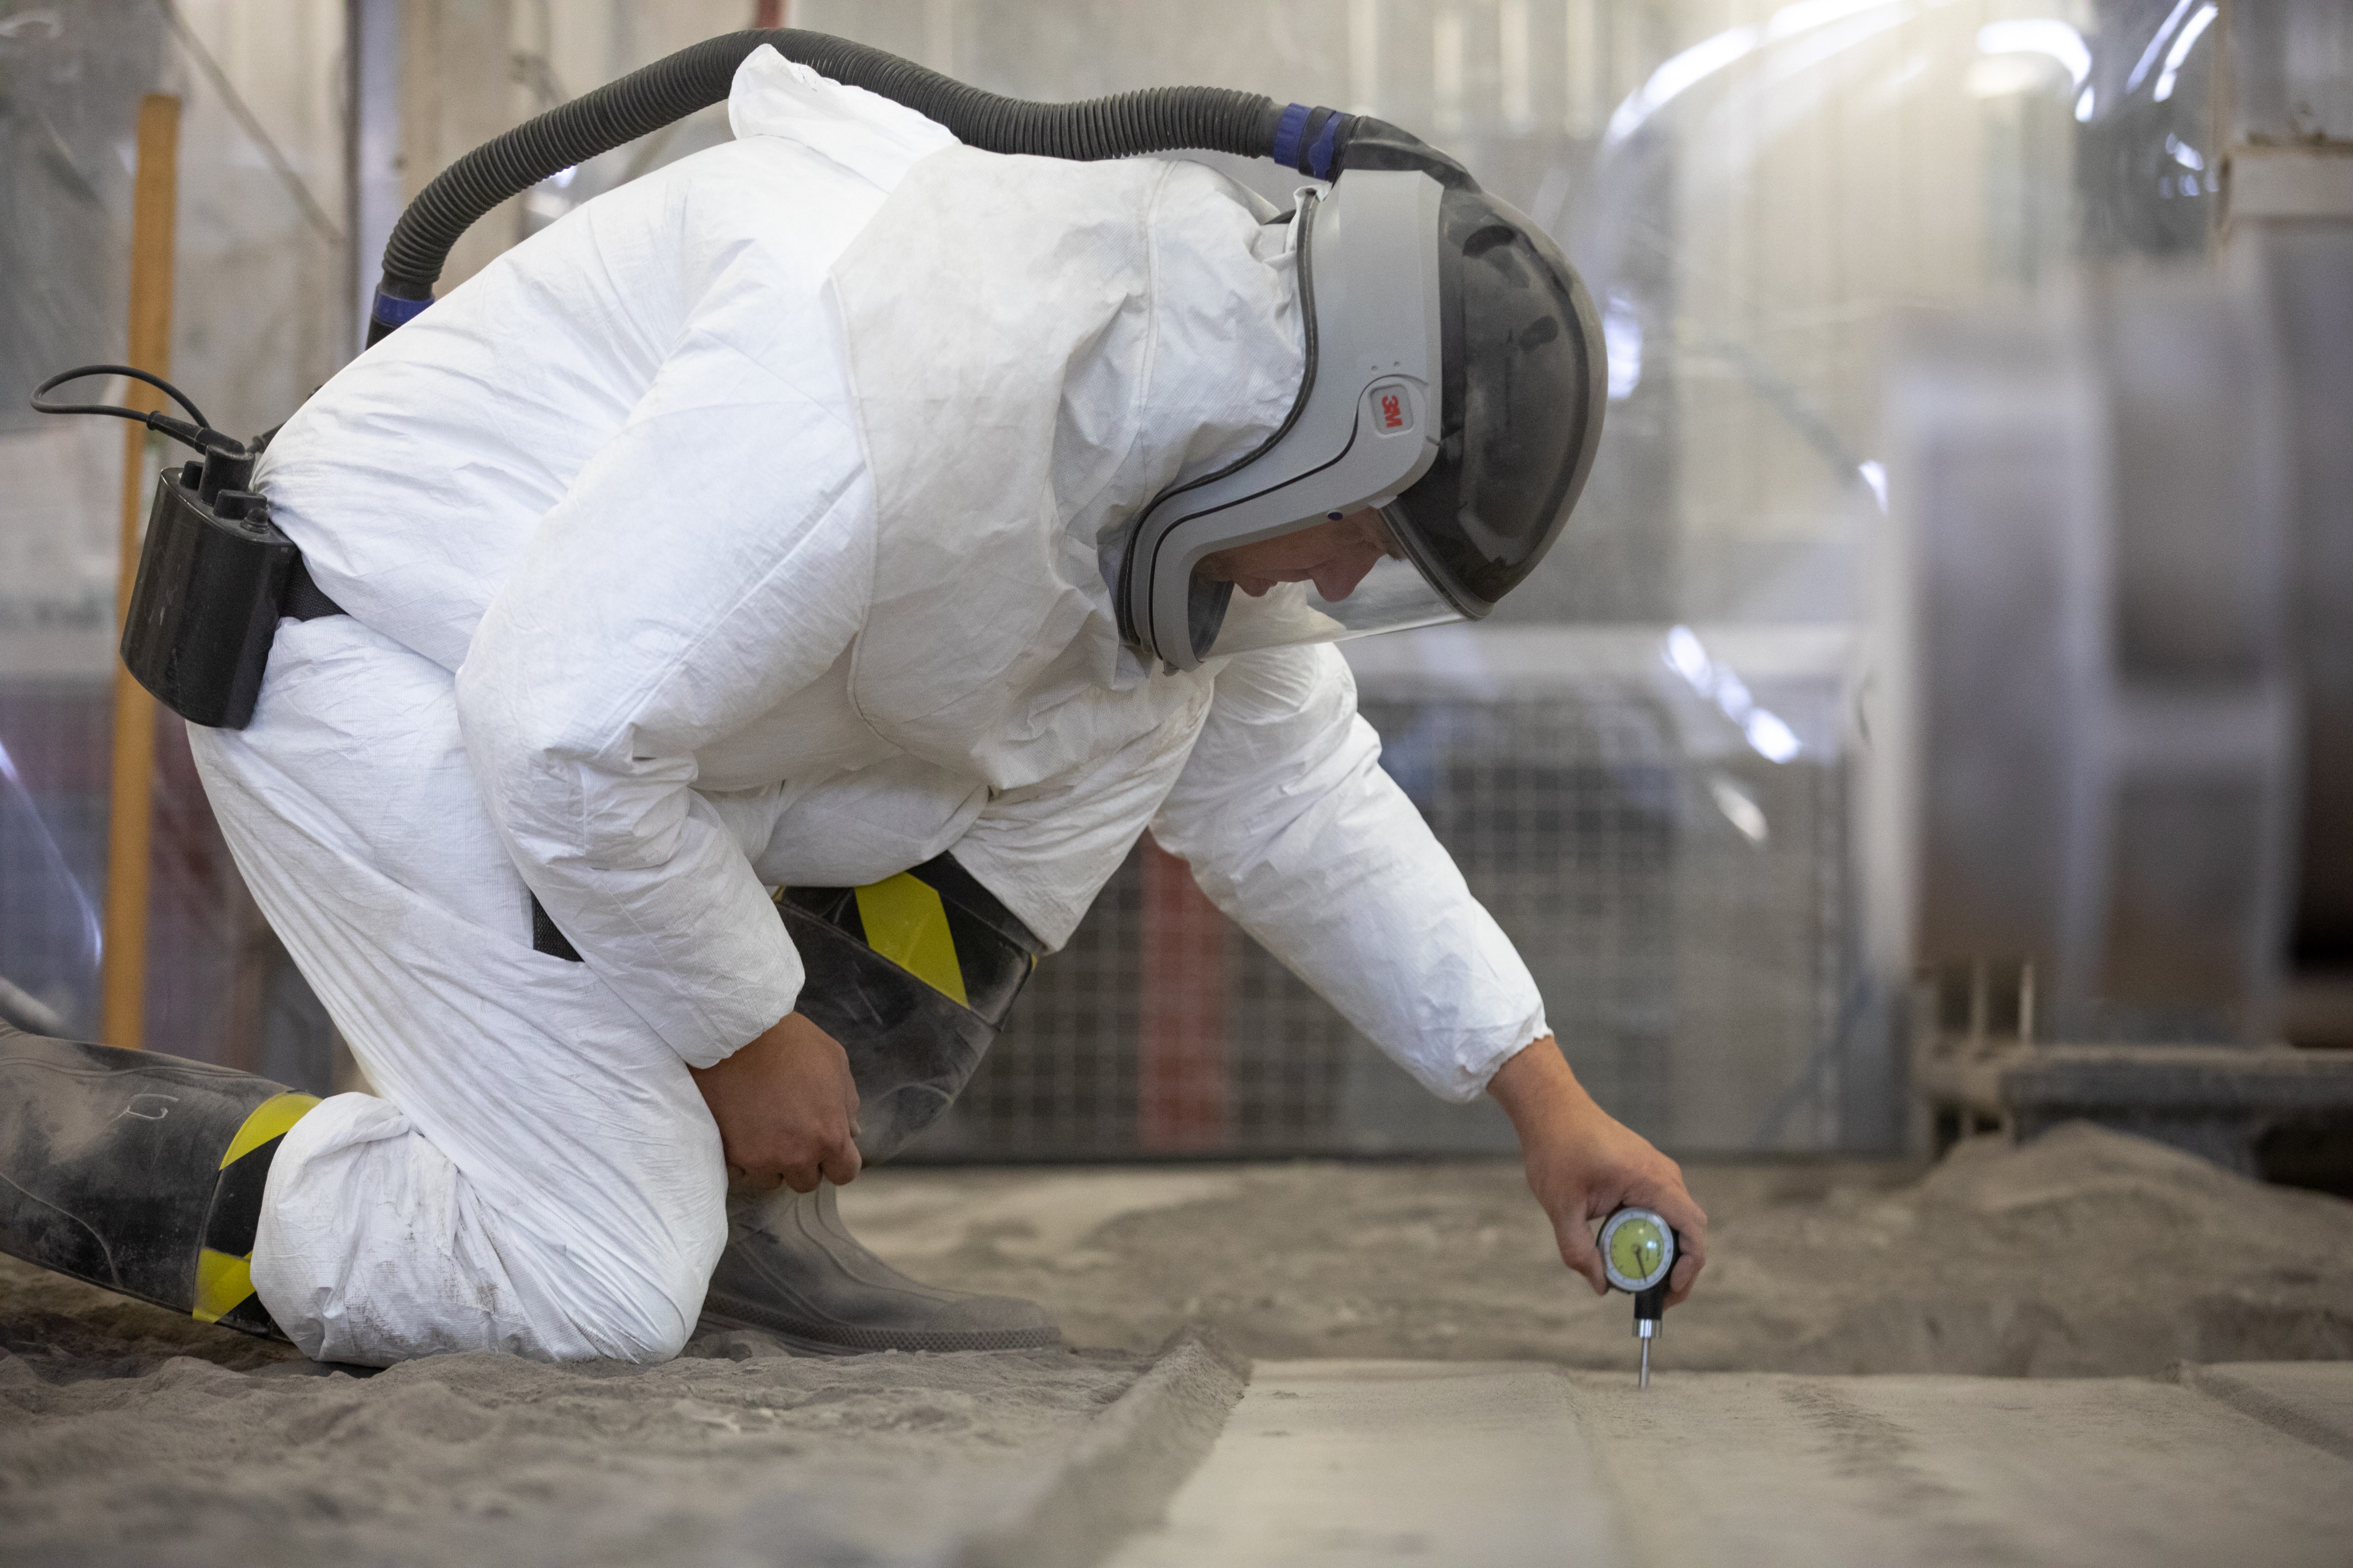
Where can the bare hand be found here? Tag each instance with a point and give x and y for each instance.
(787, 1109)
(1584, 1165)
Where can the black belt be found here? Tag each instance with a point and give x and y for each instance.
(546, 939)
(305, 600)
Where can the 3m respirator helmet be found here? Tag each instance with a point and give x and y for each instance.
(1455, 377)
(1454, 387)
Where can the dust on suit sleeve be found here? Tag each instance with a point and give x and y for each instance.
(711, 558)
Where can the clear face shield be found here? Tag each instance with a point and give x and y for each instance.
(1335, 579)
(1449, 411)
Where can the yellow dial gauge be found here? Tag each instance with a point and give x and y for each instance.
(1638, 1247)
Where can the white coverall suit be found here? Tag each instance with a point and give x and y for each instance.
(740, 530)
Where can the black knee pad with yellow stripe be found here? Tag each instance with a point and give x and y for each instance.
(914, 975)
(139, 1173)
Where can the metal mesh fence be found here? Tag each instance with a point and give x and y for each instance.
(1683, 911)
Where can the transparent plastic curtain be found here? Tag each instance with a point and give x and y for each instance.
(1751, 212)
(1754, 210)
(73, 78)
(1750, 189)
(259, 319)
(1641, 759)
(49, 937)
(1751, 215)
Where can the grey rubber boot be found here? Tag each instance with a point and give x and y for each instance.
(793, 1270)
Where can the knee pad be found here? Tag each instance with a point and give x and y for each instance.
(139, 1173)
(914, 975)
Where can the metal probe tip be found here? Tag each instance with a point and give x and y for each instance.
(1646, 1365)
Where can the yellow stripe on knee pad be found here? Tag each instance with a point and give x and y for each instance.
(224, 1278)
(270, 1119)
(906, 923)
(222, 1285)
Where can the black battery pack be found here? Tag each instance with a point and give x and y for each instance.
(214, 574)
(211, 580)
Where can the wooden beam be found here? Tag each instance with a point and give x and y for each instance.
(154, 204)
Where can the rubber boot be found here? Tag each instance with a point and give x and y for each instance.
(793, 1270)
(139, 1172)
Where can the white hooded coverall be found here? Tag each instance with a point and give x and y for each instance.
(740, 530)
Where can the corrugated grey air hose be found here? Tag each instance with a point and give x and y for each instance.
(1315, 141)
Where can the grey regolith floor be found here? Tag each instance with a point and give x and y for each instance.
(2089, 1350)
(2086, 1253)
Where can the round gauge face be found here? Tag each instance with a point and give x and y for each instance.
(1638, 1247)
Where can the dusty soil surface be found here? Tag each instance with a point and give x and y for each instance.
(2086, 1253)
(128, 1435)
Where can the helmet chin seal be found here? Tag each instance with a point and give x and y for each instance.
(1455, 383)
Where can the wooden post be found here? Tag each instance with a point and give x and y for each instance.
(154, 202)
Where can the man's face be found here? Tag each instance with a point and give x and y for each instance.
(1334, 555)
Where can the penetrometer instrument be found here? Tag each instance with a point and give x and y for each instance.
(1637, 1251)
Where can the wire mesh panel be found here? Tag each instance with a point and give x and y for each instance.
(1562, 815)
(1056, 1083)
(1679, 897)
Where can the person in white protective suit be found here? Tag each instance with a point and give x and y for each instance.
(745, 531)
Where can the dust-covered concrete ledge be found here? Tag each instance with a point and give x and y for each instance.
(1497, 1464)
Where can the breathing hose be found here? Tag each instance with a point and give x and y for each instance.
(1318, 142)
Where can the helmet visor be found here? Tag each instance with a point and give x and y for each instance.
(1526, 383)
(1235, 610)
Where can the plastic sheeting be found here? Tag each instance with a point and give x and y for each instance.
(1751, 189)
(259, 319)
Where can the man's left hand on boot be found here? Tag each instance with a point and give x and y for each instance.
(787, 1109)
